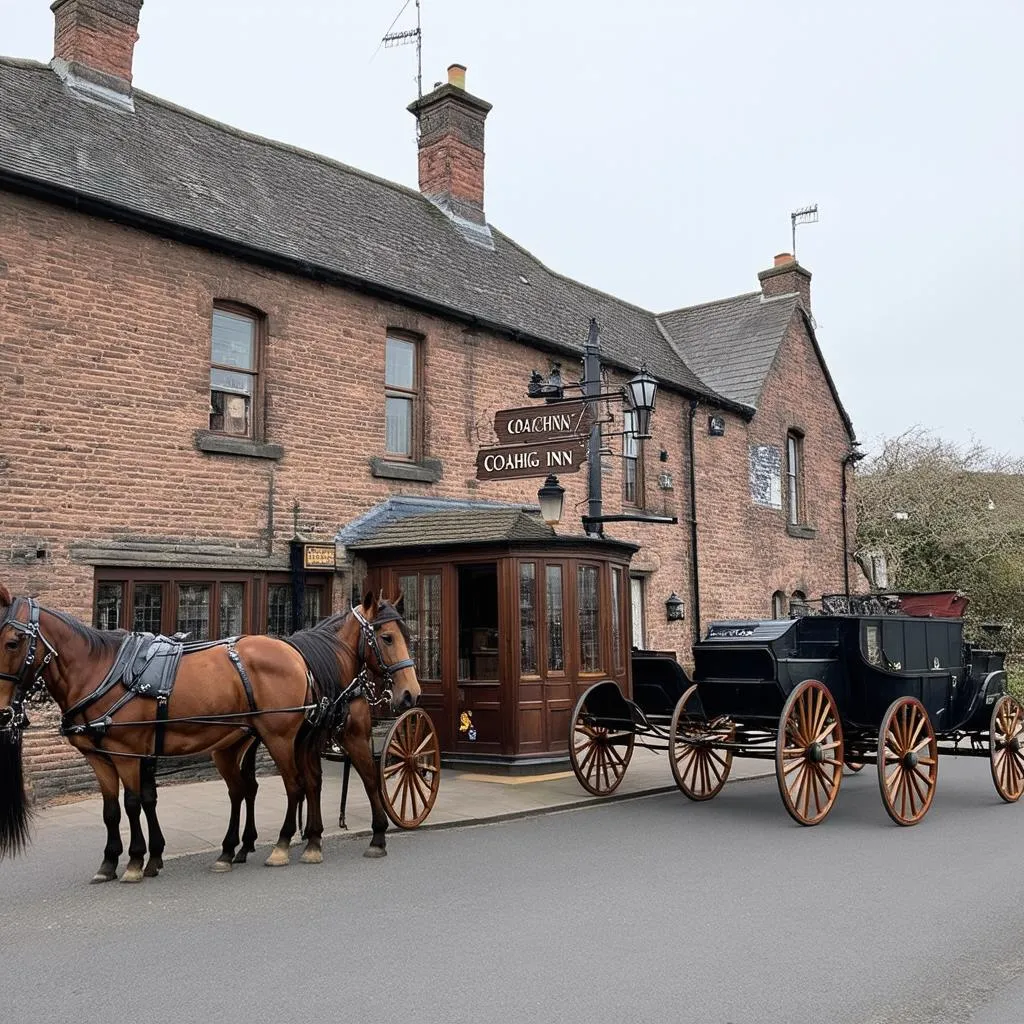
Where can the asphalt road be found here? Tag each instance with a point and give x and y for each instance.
(652, 909)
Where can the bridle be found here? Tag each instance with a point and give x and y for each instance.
(13, 717)
(368, 639)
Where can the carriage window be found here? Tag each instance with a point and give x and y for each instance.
(147, 607)
(617, 618)
(556, 641)
(632, 462)
(636, 602)
(233, 373)
(586, 589)
(400, 394)
(528, 618)
(872, 645)
(109, 603)
(794, 477)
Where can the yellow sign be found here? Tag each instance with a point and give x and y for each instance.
(318, 556)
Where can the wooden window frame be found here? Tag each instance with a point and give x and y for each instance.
(638, 499)
(779, 604)
(259, 320)
(795, 514)
(415, 396)
(587, 673)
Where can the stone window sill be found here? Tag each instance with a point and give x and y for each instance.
(800, 531)
(222, 444)
(426, 471)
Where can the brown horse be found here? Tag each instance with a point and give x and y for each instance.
(285, 693)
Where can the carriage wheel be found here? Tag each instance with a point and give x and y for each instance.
(700, 771)
(908, 761)
(1006, 737)
(410, 768)
(599, 756)
(809, 753)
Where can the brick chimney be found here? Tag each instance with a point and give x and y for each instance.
(787, 277)
(93, 44)
(451, 154)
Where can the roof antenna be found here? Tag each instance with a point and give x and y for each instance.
(808, 215)
(413, 35)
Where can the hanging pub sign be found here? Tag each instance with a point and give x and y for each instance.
(318, 556)
(538, 423)
(522, 460)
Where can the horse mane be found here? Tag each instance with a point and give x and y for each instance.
(321, 647)
(97, 639)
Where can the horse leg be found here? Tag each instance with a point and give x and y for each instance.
(356, 739)
(282, 750)
(312, 777)
(131, 779)
(106, 776)
(156, 836)
(229, 764)
(251, 787)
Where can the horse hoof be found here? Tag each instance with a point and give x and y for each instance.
(132, 875)
(220, 865)
(102, 876)
(375, 851)
(312, 856)
(239, 857)
(151, 870)
(278, 857)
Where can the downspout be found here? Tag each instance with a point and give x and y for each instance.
(693, 525)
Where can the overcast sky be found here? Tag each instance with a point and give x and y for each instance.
(656, 149)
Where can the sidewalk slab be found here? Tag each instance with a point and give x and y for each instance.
(194, 815)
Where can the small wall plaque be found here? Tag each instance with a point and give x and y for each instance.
(716, 426)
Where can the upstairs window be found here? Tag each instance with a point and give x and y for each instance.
(794, 477)
(632, 462)
(401, 396)
(233, 372)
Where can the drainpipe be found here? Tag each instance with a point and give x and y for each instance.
(693, 524)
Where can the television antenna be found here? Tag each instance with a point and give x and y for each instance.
(391, 39)
(808, 215)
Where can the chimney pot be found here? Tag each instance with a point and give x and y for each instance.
(457, 75)
(784, 257)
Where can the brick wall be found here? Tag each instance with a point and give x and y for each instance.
(106, 337)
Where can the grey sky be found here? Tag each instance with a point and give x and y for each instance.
(655, 150)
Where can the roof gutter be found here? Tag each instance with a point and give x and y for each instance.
(81, 203)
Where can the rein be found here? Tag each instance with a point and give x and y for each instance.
(13, 718)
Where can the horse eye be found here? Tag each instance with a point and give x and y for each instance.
(12, 645)
(387, 638)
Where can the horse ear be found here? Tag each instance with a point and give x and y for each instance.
(368, 601)
(5, 596)
(399, 603)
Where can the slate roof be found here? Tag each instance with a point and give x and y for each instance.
(404, 522)
(731, 344)
(169, 170)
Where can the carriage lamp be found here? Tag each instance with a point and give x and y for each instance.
(674, 607)
(642, 390)
(551, 497)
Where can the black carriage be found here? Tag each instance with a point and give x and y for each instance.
(864, 682)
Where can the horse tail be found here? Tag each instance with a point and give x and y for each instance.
(15, 812)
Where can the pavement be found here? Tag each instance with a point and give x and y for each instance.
(194, 815)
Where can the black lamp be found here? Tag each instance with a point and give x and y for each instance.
(674, 607)
(551, 496)
(642, 391)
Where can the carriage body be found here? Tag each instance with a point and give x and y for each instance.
(886, 680)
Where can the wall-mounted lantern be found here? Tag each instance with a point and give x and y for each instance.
(674, 607)
(642, 391)
(551, 497)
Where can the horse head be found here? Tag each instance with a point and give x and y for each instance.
(17, 646)
(390, 655)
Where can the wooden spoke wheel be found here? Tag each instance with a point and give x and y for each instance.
(809, 753)
(410, 768)
(908, 761)
(700, 771)
(599, 755)
(1006, 738)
